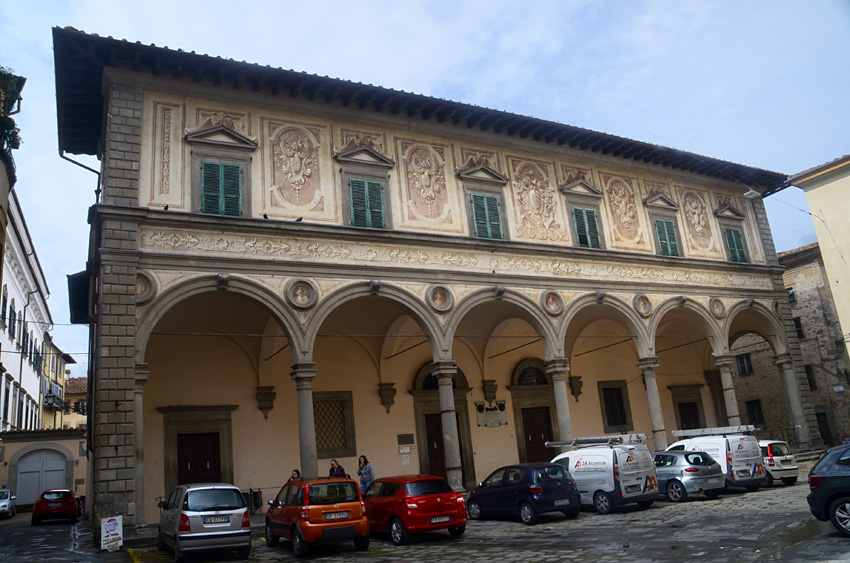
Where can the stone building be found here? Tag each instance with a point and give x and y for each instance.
(286, 268)
(824, 356)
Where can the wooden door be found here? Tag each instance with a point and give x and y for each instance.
(198, 458)
(436, 453)
(537, 427)
(823, 428)
(688, 416)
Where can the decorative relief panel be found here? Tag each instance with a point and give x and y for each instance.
(621, 198)
(429, 196)
(193, 242)
(654, 187)
(643, 305)
(697, 223)
(570, 174)
(552, 302)
(537, 209)
(208, 118)
(352, 139)
(297, 172)
(475, 157)
(439, 298)
(165, 186)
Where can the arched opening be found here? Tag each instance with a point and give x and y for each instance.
(534, 410)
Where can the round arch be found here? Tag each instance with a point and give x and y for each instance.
(59, 449)
(205, 284)
(618, 309)
(748, 316)
(529, 311)
(694, 311)
(417, 310)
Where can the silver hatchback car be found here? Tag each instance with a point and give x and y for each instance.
(682, 473)
(204, 516)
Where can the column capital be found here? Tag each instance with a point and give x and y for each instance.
(557, 369)
(303, 370)
(648, 363)
(782, 360)
(723, 360)
(141, 374)
(444, 370)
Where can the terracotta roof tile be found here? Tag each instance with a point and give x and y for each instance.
(76, 385)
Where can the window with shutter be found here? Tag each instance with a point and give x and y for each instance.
(665, 231)
(486, 216)
(735, 245)
(367, 203)
(221, 189)
(587, 230)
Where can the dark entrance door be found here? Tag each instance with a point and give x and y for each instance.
(198, 459)
(688, 416)
(823, 428)
(537, 426)
(436, 453)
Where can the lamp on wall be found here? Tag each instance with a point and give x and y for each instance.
(49, 400)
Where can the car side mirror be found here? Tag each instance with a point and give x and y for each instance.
(271, 502)
(161, 504)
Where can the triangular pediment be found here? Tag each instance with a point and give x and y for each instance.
(365, 155)
(482, 173)
(729, 212)
(661, 201)
(580, 188)
(221, 136)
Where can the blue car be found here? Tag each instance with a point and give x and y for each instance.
(526, 490)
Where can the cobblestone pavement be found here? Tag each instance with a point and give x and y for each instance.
(769, 525)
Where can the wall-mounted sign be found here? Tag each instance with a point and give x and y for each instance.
(111, 533)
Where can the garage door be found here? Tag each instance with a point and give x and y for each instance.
(37, 471)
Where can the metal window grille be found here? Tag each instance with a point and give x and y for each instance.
(532, 376)
(329, 418)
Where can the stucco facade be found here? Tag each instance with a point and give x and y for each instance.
(468, 320)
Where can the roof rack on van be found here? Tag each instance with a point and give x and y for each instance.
(597, 440)
(718, 431)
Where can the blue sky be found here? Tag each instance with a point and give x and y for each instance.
(764, 83)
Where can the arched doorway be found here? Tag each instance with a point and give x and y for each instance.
(40, 470)
(533, 401)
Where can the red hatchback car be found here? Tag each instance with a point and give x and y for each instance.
(408, 504)
(56, 504)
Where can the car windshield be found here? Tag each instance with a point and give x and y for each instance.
(550, 473)
(699, 458)
(780, 448)
(4, 495)
(56, 495)
(204, 500)
(429, 487)
(333, 493)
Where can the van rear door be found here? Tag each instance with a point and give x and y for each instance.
(637, 471)
(747, 462)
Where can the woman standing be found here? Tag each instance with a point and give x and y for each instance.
(367, 475)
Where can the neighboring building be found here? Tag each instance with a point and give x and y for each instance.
(826, 187)
(56, 405)
(286, 268)
(24, 321)
(76, 401)
(826, 364)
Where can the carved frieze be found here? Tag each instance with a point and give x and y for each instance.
(208, 118)
(470, 158)
(534, 201)
(571, 174)
(166, 163)
(196, 242)
(352, 139)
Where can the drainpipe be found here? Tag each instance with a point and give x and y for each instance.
(81, 165)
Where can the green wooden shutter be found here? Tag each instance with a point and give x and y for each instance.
(231, 190)
(494, 218)
(666, 232)
(375, 200)
(486, 216)
(210, 187)
(359, 215)
(671, 238)
(592, 228)
(587, 231)
(735, 244)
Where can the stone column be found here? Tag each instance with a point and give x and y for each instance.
(558, 370)
(795, 401)
(303, 374)
(724, 365)
(656, 414)
(139, 442)
(445, 372)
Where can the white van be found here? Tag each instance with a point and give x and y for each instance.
(738, 454)
(610, 470)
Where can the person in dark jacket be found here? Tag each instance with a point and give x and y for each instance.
(336, 470)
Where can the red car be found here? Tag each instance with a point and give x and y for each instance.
(56, 504)
(408, 504)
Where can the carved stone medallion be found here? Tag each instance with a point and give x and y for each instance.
(642, 305)
(439, 298)
(696, 218)
(426, 181)
(301, 293)
(718, 309)
(296, 168)
(535, 205)
(145, 287)
(552, 302)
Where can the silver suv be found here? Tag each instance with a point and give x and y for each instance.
(204, 516)
(682, 473)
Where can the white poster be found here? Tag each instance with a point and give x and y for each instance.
(111, 533)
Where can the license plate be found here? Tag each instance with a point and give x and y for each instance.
(562, 501)
(743, 473)
(632, 488)
(438, 519)
(710, 480)
(216, 519)
(54, 504)
(336, 515)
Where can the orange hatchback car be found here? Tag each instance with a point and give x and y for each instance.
(317, 511)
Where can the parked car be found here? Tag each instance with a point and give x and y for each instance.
(527, 490)
(8, 504)
(56, 504)
(612, 471)
(738, 454)
(408, 504)
(683, 473)
(204, 517)
(829, 483)
(779, 462)
(317, 511)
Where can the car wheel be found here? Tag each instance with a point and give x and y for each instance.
(244, 552)
(572, 513)
(839, 514)
(271, 539)
(676, 491)
(361, 543)
(457, 531)
(299, 544)
(789, 480)
(645, 503)
(752, 488)
(769, 482)
(160, 541)
(473, 510)
(602, 503)
(527, 514)
(712, 493)
(397, 532)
